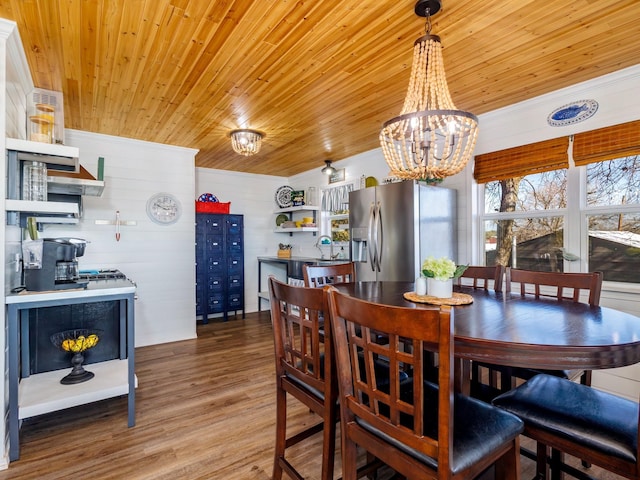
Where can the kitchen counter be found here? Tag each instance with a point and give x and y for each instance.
(293, 270)
(95, 288)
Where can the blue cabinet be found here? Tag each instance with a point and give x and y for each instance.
(219, 264)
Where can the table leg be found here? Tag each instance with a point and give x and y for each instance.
(259, 287)
(462, 375)
(131, 362)
(14, 382)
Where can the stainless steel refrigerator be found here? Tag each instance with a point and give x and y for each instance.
(394, 227)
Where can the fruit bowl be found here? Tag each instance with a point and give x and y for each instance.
(76, 342)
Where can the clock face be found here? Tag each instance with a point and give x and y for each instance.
(164, 208)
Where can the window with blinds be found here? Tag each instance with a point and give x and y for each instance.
(542, 213)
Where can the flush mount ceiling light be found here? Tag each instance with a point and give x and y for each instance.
(430, 139)
(328, 169)
(246, 142)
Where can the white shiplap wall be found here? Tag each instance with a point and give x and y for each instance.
(160, 259)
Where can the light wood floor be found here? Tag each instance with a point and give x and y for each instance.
(205, 410)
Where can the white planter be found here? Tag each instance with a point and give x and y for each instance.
(440, 288)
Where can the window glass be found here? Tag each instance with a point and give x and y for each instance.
(614, 246)
(541, 191)
(614, 182)
(527, 243)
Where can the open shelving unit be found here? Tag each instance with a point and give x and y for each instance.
(290, 211)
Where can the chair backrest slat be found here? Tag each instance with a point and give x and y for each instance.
(567, 286)
(321, 275)
(399, 409)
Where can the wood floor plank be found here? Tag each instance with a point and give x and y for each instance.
(205, 409)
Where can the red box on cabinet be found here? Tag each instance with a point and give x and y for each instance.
(212, 207)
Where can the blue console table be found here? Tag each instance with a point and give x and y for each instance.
(31, 395)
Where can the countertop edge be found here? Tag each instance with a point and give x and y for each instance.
(89, 292)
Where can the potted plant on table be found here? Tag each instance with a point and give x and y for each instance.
(440, 274)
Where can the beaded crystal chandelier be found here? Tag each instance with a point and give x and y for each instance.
(246, 142)
(430, 139)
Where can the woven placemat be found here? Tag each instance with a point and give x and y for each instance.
(457, 299)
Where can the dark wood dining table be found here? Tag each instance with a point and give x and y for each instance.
(524, 331)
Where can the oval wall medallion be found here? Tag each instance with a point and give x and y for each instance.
(572, 113)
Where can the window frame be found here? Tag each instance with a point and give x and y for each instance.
(575, 221)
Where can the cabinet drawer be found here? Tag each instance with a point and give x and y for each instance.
(214, 265)
(215, 283)
(214, 224)
(235, 281)
(234, 244)
(214, 245)
(216, 303)
(235, 301)
(234, 225)
(235, 265)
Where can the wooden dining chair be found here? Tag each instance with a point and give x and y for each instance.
(320, 275)
(560, 285)
(304, 370)
(597, 427)
(418, 428)
(573, 287)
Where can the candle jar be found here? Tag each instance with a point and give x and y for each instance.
(41, 124)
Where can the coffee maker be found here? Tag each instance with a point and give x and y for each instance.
(52, 264)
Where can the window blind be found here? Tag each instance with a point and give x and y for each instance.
(520, 161)
(608, 143)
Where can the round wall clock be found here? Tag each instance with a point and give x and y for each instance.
(164, 208)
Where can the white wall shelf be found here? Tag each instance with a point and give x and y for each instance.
(296, 230)
(300, 208)
(65, 154)
(63, 208)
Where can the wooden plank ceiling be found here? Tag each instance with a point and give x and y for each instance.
(318, 77)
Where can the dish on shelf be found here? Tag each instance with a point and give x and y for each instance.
(371, 182)
(281, 218)
(207, 197)
(283, 196)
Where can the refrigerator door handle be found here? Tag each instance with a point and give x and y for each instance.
(379, 236)
(370, 241)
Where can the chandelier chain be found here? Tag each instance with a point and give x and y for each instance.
(427, 25)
